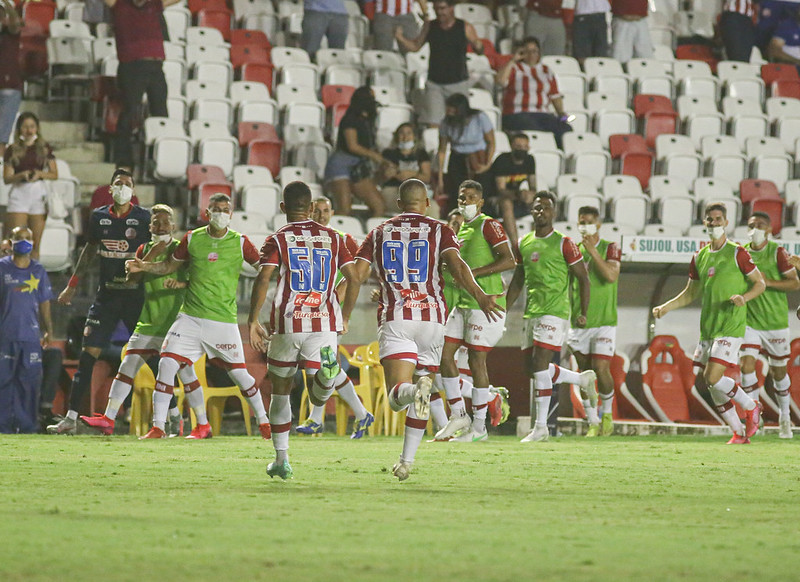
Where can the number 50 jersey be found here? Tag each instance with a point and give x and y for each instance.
(308, 255)
(406, 252)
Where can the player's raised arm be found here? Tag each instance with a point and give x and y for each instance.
(464, 279)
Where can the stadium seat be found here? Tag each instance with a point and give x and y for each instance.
(665, 187)
(617, 186)
(221, 151)
(265, 153)
(786, 88)
(242, 55)
(676, 212)
(339, 74)
(638, 165)
(220, 110)
(631, 210)
(292, 173)
(751, 190)
(266, 21)
(244, 175)
(37, 16)
(772, 72)
(548, 168)
(662, 230)
(204, 35)
(245, 37)
(178, 20)
(219, 19)
(206, 190)
(294, 135)
(610, 122)
(55, 249)
(251, 130)
(774, 208)
(592, 164)
(311, 155)
(541, 141)
(336, 95)
(257, 72)
(263, 199)
(622, 143)
(694, 53)
(657, 123)
(196, 174)
(171, 157)
(348, 224)
(647, 103)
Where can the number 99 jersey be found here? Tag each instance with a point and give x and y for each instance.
(308, 255)
(406, 251)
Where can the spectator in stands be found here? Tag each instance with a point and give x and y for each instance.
(630, 35)
(785, 44)
(737, 29)
(514, 176)
(326, 18)
(447, 68)
(409, 159)
(544, 21)
(140, 51)
(28, 161)
(470, 134)
(351, 168)
(770, 14)
(5, 248)
(393, 14)
(10, 73)
(529, 91)
(590, 30)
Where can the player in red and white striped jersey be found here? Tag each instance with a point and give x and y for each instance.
(305, 316)
(407, 253)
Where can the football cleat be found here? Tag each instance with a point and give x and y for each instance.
(540, 433)
(282, 470)
(175, 426)
(63, 426)
(588, 385)
(498, 406)
(154, 433)
(785, 430)
(99, 422)
(401, 469)
(329, 365)
(607, 425)
(471, 436)
(309, 427)
(422, 397)
(593, 431)
(266, 430)
(201, 431)
(738, 439)
(360, 427)
(752, 418)
(453, 426)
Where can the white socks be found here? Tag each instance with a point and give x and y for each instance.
(544, 390)
(452, 391)
(782, 392)
(607, 403)
(438, 413)
(280, 412)
(719, 394)
(347, 392)
(412, 437)
(400, 396)
(480, 400)
(591, 412)
(247, 385)
(563, 375)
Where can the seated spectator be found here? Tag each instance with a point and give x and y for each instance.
(351, 168)
(326, 18)
(410, 161)
(471, 137)
(10, 73)
(514, 175)
(737, 29)
(630, 34)
(545, 22)
(770, 14)
(28, 162)
(785, 44)
(529, 91)
(589, 29)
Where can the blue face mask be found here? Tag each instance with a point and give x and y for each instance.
(22, 247)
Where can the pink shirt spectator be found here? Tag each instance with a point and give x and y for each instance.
(529, 89)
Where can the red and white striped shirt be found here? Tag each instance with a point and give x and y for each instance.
(393, 7)
(741, 6)
(406, 253)
(529, 89)
(308, 255)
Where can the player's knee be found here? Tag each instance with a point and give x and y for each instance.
(748, 364)
(778, 373)
(94, 352)
(711, 376)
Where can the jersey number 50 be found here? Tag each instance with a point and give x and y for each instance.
(399, 257)
(309, 274)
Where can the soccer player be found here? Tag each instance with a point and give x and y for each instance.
(768, 317)
(721, 273)
(486, 250)
(207, 320)
(547, 258)
(407, 253)
(115, 232)
(321, 214)
(163, 299)
(594, 345)
(305, 317)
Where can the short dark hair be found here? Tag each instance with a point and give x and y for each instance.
(296, 195)
(546, 194)
(518, 135)
(590, 210)
(219, 197)
(122, 172)
(763, 215)
(472, 185)
(529, 40)
(716, 206)
(448, 2)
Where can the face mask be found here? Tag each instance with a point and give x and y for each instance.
(121, 194)
(469, 211)
(757, 236)
(30, 139)
(220, 220)
(587, 229)
(716, 232)
(406, 145)
(22, 247)
(157, 238)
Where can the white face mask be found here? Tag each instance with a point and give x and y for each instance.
(469, 211)
(121, 193)
(29, 139)
(406, 145)
(587, 229)
(157, 238)
(220, 220)
(757, 236)
(716, 232)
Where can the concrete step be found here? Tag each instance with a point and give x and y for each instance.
(60, 133)
(81, 152)
(145, 192)
(92, 172)
(45, 111)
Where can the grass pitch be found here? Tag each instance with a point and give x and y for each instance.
(643, 508)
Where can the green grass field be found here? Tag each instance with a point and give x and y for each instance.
(642, 508)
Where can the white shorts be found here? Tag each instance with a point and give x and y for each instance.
(28, 198)
(419, 342)
(598, 342)
(145, 346)
(723, 350)
(546, 332)
(191, 337)
(288, 350)
(471, 328)
(774, 343)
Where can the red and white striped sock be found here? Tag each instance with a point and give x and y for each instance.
(280, 411)
(400, 396)
(161, 397)
(782, 392)
(452, 391)
(559, 375)
(412, 437)
(120, 388)
(347, 392)
(544, 391)
(480, 404)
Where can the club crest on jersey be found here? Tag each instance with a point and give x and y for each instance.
(117, 246)
(130, 233)
(535, 257)
(213, 257)
(711, 271)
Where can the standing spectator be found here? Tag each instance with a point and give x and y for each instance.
(471, 137)
(409, 159)
(514, 175)
(24, 301)
(10, 74)
(393, 14)
(350, 169)
(545, 22)
(630, 35)
(326, 18)
(28, 161)
(785, 44)
(590, 29)
(447, 68)
(140, 51)
(770, 14)
(737, 29)
(529, 90)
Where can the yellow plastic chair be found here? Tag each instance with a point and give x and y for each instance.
(144, 383)
(214, 399)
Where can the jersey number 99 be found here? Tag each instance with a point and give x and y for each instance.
(399, 257)
(309, 274)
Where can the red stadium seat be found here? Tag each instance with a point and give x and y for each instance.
(644, 104)
(112, 107)
(244, 37)
(786, 88)
(697, 52)
(256, 72)
(252, 130)
(244, 54)
(639, 165)
(219, 19)
(37, 16)
(622, 143)
(206, 191)
(197, 174)
(657, 123)
(265, 153)
(773, 207)
(196, 6)
(336, 95)
(772, 72)
(753, 189)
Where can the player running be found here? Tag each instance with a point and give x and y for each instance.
(768, 317)
(206, 323)
(594, 345)
(484, 247)
(721, 273)
(115, 232)
(547, 258)
(407, 253)
(305, 317)
(321, 214)
(163, 297)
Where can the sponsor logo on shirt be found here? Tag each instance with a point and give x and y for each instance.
(226, 347)
(311, 239)
(35, 358)
(310, 314)
(132, 222)
(116, 246)
(105, 221)
(474, 327)
(130, 233)
(535, 258)
(419, 229)
(777, 340)
(711, 272)
(412, 294)
(419, 305)
(313, 299)
(213, 257)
